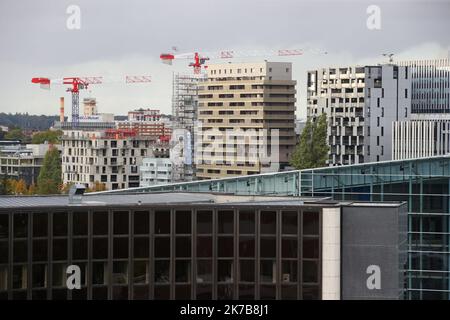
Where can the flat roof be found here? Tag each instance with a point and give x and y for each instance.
(174, 199)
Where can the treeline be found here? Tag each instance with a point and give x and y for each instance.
(27, 121)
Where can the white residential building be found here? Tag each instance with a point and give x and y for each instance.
(155, 171)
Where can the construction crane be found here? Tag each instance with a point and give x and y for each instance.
(81, 83)
(199, 60)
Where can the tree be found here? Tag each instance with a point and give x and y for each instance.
(47, 136)
(15, 134)
(4, 185)
(32, 189)
(49, 179)
(18, 187)
(312, 150)
(98, 186)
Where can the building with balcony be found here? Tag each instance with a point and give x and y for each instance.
(361, 103)
(110, 156)
(247, 117)
(155, 171)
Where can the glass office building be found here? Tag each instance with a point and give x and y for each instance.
(423, 183)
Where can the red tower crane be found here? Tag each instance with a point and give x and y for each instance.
(80, 83)
(199, 60)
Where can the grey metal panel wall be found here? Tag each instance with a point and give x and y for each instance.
(370, 237)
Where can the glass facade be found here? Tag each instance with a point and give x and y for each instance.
(167, 253)
(423, 183)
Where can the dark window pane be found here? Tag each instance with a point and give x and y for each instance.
(100, 248)
(59, 275)
(246, 222)
(140, 293)
(289, 248)
(141, 247)
(225, 245)
(289, 222)
(183, 247)
(40, 224)
(40, 250)
(20, 295)
(4, 226)
(183, 222)
(20, 251)
(100, 293)
(4, 252)
(100, 223)
(162, 271)
(183, 292)
(80, 294)
(204, 222)
(204, 247)
(59, 294)
(59, 249)
(162, 222)
(225, 221)
(204, 292)
(120, 293)
(310, 271)
(120, 248)
(267, 292)
(268, 247)
(60, 224)
(289, 271)
(246, 292)
(268, 222)
(80, 249)
(310, 293)
(80, 223)
(140, 274)
(162, 247)
(120, 272)
(121, 222)
(267, 271)
(20, 225)
(19, 277)
(224, 292)
(310, 248)
(310, 223)
(247, 270)
(99, 272)
(141, 222)
(39, 276)
(289, 292)
(246, 247)
(162, 292)
(182, 271)
(225, 271)
(204, 271)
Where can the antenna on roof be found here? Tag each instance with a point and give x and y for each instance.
(390, 56)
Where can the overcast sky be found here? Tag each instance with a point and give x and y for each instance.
(126, 37)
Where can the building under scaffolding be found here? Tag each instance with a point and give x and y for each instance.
(184, 111)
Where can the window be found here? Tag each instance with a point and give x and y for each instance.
(225, 221)
(204, 222)
(225, 271)
(268, 271)
(204, 271)
(268, 248)
(183, 247)
(141, 247)
(225, 247)
(99, 272)
(311, 248)
(246, 222)
(310, 223)
(20, 225)
(289, 222)
(100, 248)
(40, 224)
(100, 223)
(162, 247)
(162, 271)
(141, 222)
(121, 222)
(204, 247)
(183, 222)
(120, 272)
(162, 222)
(140, 273)
(268, 222)
(247, 270)
(120, 248)
(4, 226)
(80, 223)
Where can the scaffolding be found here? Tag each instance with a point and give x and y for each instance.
(184, 111)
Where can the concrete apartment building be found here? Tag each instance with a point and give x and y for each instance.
(22, 161)
(245, 98)
(361, 103)
(426, 133)
(110, 156)
(155, 171)
(146, 122)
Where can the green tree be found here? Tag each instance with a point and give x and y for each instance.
(312, 150)
(15, 134)
(4, 185)
(49, 179)
(47, 136)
